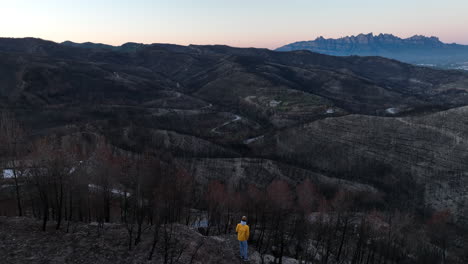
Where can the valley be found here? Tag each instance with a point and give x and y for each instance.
(235, 131)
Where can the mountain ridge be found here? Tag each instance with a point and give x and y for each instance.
(417, 49)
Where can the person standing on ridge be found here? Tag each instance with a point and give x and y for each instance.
(243, 233)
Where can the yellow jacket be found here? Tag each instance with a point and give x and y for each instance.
(243, 232)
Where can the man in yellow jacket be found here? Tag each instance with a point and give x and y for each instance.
(243, 233)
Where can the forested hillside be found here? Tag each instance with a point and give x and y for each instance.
(333, 159)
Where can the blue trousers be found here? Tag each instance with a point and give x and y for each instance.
(243, 249)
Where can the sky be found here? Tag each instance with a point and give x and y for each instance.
(241, 23)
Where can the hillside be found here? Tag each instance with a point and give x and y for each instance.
(391, 135)
(217, 101)
(22, 243)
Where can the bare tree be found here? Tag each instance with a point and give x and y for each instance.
(281, 202)
(437, 228)
(12, 137)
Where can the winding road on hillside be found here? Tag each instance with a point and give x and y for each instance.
(236, 119)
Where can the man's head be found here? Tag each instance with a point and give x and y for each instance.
(244, 218)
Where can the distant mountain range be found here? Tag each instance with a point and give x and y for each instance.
(428, 51)
(130, 46)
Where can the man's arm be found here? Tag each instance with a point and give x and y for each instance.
(248, 232)
(237, 228)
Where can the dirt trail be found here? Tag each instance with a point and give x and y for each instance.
(445, 132)
(236, 119)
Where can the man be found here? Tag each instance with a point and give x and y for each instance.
(243, 233)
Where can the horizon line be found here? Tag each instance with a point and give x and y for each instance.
(233, 46)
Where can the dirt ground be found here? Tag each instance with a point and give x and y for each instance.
(22, 242)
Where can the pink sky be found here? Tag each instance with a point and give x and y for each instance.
(243, 23)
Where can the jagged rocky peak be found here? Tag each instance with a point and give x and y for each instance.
(418, 49)
(358, 38)
(421, 39)
(365, 38)
(382, 37)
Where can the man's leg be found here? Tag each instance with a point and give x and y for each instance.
(241, 249)
(246, 250)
